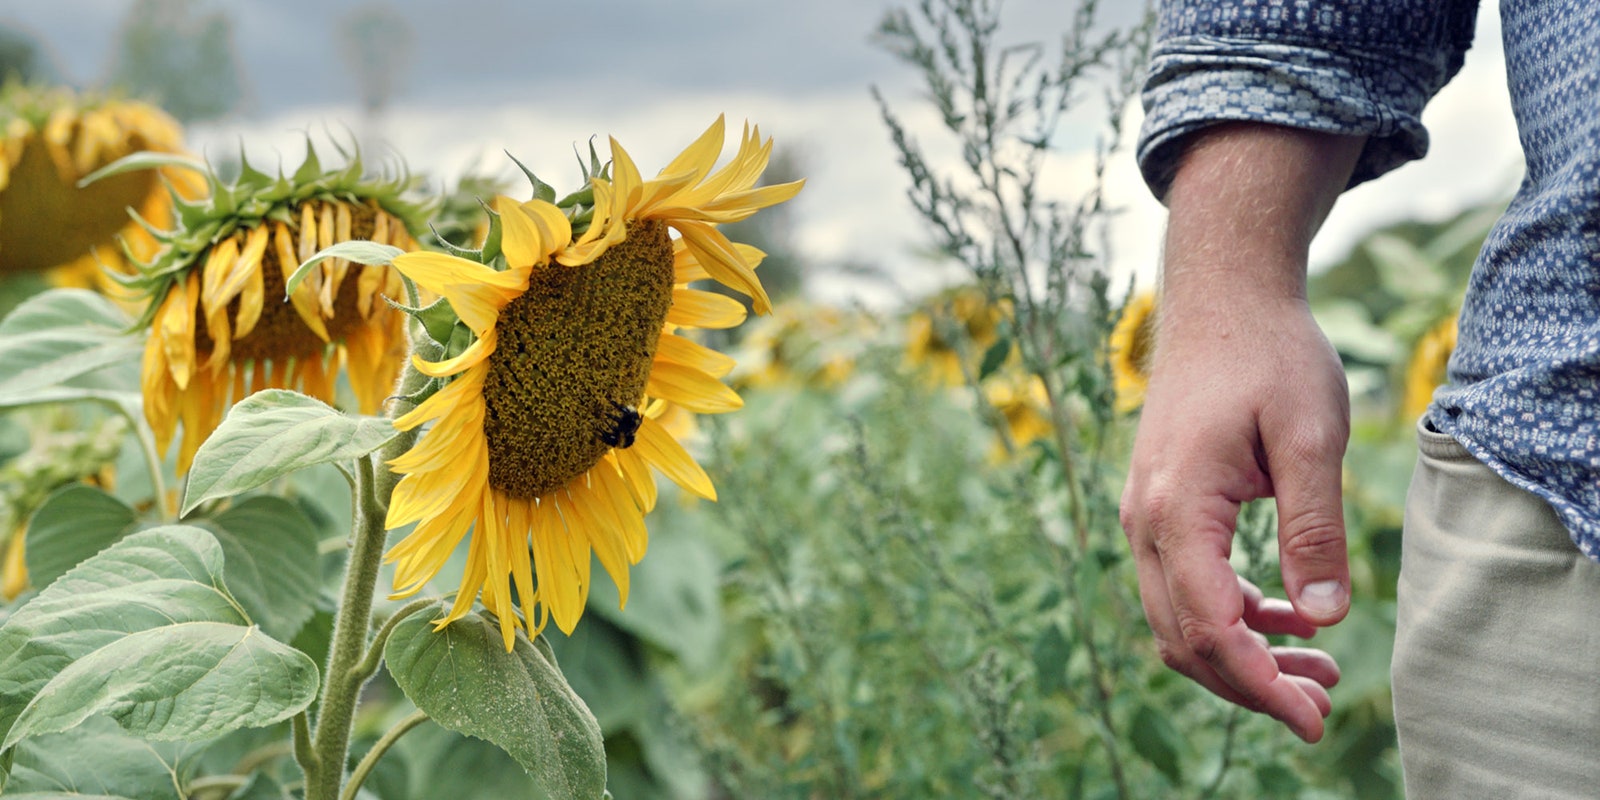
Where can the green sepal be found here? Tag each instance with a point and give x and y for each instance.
(541, 190)
(492, 239)
(437, 319)
(459, 252)
(142, 160)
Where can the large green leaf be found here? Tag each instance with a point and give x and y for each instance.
(274, 570)
(73, 524)
(55, 339)
(94, 760)
(273, 433)
(163, 576)
(465, 680)
(186, 681)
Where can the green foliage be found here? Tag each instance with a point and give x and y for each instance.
(144, 631)
(185, 681)
(59, 345)
(271, 434)
(463, 678)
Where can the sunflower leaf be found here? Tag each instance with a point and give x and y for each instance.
(273, 433)
(73, 524)
(464, 679)
(56, 340)
(359, 251)
(273, 566)
(186, 681)
(95, 761)
(164, 576)
(142, 161)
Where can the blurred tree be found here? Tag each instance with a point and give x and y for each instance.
(24, 58)
(179, 56)
(375, 41)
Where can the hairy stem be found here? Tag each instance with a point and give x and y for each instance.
(349, 654)
(342, 686)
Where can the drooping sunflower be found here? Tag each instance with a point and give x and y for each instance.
(220, 328)
(544, 436)
(53, 138)
(1426, 370)
(1132, 343)
(932, 332)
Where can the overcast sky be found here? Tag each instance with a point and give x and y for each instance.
(533, 77)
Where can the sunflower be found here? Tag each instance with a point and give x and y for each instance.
(930, 333)
(1132, 342)
(52, 138)
(543, 438)
(801, 344)
(220, 328)
(1426, 371)
(1021, 400)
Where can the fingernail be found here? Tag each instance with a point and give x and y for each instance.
(1322, 597)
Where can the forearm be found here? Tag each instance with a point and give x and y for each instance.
(1245, 201)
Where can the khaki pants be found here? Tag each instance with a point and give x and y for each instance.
(1497, 642)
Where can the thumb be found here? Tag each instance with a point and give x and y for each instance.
(1311, 536)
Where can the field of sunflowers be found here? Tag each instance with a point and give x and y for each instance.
(298, 467)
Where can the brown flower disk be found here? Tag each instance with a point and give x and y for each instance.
(46, 220)
(571, 349)
(280, 333)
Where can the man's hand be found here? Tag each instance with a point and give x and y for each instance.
(1246, 400)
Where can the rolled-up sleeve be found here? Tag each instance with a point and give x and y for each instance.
(1339, 66)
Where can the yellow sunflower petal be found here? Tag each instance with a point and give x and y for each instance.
(592, 523)
(686, 266)
(637, 473)
(174, 327)
(719, 257)
(304, 298)
(701, 154)
(252, 296)
(610, 487)
(471, 357)
(476, 292)
(677, 349)
(691, 388)
(663, 452)
(693, 308)
(529, 234)
(562, 579)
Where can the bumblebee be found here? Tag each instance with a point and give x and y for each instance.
(625, 422)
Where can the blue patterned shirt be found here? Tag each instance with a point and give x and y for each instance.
(1524, 382)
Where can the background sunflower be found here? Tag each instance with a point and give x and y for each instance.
(220, 326)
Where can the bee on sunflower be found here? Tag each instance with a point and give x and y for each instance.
(50, 139)
(220, 326)
(548, 423)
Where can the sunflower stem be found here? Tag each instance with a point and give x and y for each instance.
(370, 760)
(349, 655)
(342, 687)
